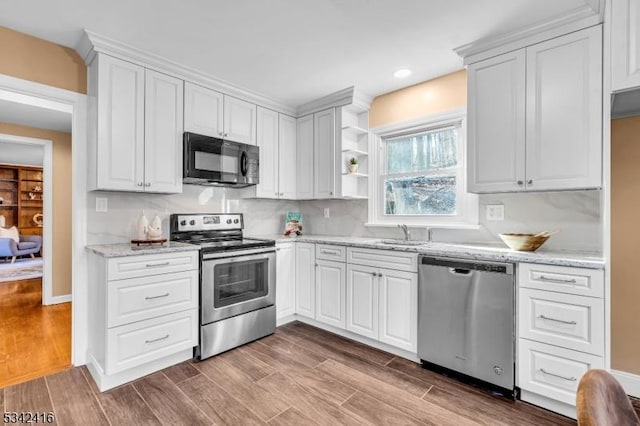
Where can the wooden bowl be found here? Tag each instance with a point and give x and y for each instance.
(524, 242)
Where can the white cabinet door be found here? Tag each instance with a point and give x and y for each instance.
(496, 123)
(120, 146)
(287, 157)
(305, 279)
(268, 144)
(203, 110)
(304, 155)
(330, 293)
(564, 112)
(625, 44)
(285, 279)
(324, 154)
(362, 300)
(239, 120)
(399, 309)
(163, 133)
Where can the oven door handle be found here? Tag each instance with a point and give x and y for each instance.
(237, 256)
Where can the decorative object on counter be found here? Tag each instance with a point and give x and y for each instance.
(353, 165)
(159, 241)
(143, 226)
(526, 242)
(293, 224)
(154, 232)
(38, 219)
(32, 196)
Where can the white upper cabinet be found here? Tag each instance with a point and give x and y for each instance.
(324, 153)
(138, 115)
(535, 117)
(268, 144)
(496, 123)
(163, 133)
(211, 113)
(564, 112)
(304, 156)
(203, 111)
(287, 155)
(239, 120)
(625, 45)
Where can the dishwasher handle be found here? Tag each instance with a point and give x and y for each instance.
(459, 266)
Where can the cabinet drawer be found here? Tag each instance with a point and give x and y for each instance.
(143, 298)
(141, 342)
(551, 371)
(330, 252)
(389, 259)
(574, 322)
(141, 266)
(580, 281)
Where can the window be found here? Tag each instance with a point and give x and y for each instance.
(421, 177)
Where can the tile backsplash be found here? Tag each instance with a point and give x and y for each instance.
(576, 214)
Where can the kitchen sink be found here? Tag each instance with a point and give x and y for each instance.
(403, 242)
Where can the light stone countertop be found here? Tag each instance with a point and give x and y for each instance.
(480, 251)
(126, 249)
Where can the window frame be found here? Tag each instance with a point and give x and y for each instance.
(466, 204)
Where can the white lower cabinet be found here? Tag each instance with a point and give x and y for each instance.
(285, 280)
(143, 316)
(399, 309)
(305, 287)
(561, 328)
(330, 293)
(362, 300)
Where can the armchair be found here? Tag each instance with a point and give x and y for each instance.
(29, 244)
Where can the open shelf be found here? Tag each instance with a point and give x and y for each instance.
(364, 175)
(354, 130)
(354, 152)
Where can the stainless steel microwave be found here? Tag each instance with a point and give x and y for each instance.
(213, 161)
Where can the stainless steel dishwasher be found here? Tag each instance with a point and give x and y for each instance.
(466, 319)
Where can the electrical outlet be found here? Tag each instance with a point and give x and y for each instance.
(495, 212)
(327, 213)
(102, 205)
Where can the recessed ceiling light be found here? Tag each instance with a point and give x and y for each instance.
(402, 73)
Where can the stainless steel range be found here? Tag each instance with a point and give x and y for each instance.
(237, 280)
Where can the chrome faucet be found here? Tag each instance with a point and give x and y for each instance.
(405, 229)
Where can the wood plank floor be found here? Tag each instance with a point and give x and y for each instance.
(35, 340)
(299, 376)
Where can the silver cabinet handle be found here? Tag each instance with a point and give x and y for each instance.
(158, 339)
(380, 275)
(152, 265)
(331, 193)
(316, 265)
(557, 280)
(325, 251)
(140, 183)
(147, 184)
(157, 297)
(278, 249)
(374, 274)
(520, 182)
(557, 320)
(225, 135)
(281, 194)
(569, 379)
(219, 133)
(530, 181)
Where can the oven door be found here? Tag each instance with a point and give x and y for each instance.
(236, 284)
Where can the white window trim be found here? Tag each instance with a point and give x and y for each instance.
(467, 207)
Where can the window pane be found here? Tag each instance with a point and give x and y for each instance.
(420, 195)
(422, 152)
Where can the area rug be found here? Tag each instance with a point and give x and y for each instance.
(22, 269)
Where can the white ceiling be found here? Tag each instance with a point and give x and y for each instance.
(22, 154)
(33, 116)
(290, 50)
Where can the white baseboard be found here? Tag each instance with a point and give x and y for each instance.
(59, 299)
(630, 382)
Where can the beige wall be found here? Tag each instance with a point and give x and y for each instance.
(625, 234)
(441, 94)
(34, 59)
(61, 253)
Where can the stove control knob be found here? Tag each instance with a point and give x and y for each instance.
(236, 221)
(183, 223)
(229, 221)
(192, 222)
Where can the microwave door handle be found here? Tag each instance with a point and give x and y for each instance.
(243, 163)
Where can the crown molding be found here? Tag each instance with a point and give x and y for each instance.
(349, 96)
(574, 20)
(92, 43)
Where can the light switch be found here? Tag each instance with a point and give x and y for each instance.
(495, 212)
(102, 205)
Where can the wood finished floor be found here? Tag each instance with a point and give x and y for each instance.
(298, 376)
(35, 340)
